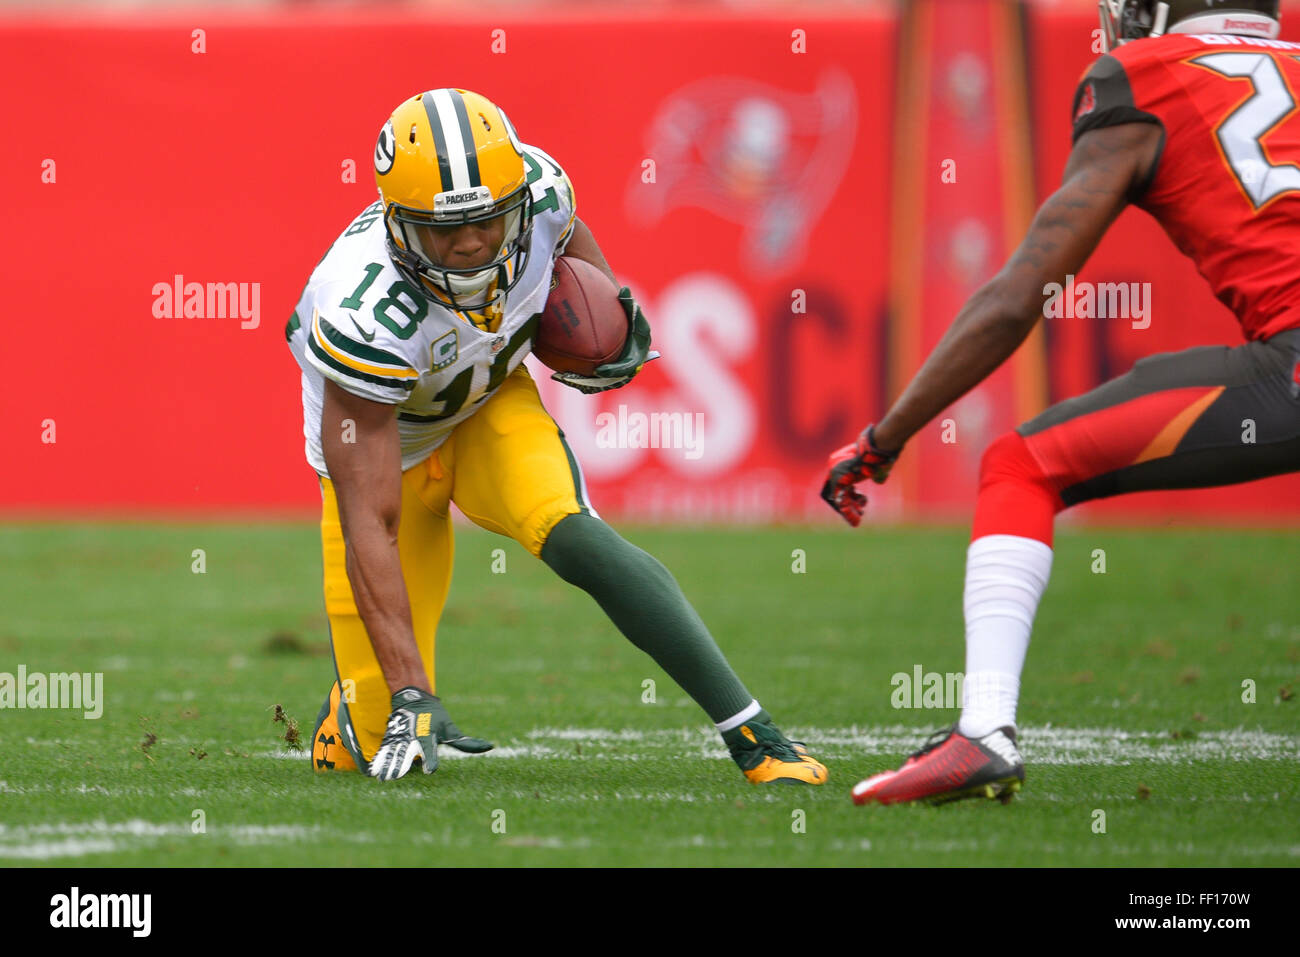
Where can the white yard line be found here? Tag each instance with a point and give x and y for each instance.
(1041, 746)
(70, 847)
(1106, 747)
(83, 838)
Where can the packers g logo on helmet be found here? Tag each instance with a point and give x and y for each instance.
(446, 158)
(384, 150)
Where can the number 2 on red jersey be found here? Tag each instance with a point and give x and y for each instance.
(1241, 133)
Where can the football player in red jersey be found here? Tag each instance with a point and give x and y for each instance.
(1191, 116)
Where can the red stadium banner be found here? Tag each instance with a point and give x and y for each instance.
(170, 186)
(734, 169)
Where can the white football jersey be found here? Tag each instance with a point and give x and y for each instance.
(362, 325)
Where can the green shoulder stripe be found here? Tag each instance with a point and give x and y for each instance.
(359, 350)
(406, 385)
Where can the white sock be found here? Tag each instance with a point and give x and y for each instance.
(1005, 577)
(740, 717)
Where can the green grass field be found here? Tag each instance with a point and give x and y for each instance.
(1132, 705)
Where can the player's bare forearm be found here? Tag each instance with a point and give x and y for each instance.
(375, 572)
(582, 245)
(365, 466)
(979, 340)
(1102, 169)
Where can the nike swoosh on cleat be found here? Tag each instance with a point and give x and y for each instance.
(862, 787)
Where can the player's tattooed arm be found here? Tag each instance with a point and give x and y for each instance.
(1102, 171)
(363, 454)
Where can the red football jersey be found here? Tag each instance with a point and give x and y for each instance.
(1226, 182)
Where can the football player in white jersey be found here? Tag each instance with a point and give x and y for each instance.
(410, 335)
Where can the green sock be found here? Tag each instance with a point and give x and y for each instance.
(644, 601)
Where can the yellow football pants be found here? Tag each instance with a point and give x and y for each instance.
(509, 470)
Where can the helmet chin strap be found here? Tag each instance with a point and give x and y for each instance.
(475, 290)
(467, 288)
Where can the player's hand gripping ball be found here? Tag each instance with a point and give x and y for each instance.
(592, 334)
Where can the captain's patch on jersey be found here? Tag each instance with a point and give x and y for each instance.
(444, 350)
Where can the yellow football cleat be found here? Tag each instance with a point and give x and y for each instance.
(764, 754)
(327, 750)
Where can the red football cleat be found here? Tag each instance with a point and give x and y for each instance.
(951, 766)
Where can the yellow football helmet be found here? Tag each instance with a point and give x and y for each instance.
(444, 159)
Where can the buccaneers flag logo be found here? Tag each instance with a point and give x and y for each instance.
(765, 158)
(1087, 102)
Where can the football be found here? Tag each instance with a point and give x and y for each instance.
(583, 325)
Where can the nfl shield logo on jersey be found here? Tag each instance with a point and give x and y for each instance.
(497, 343)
